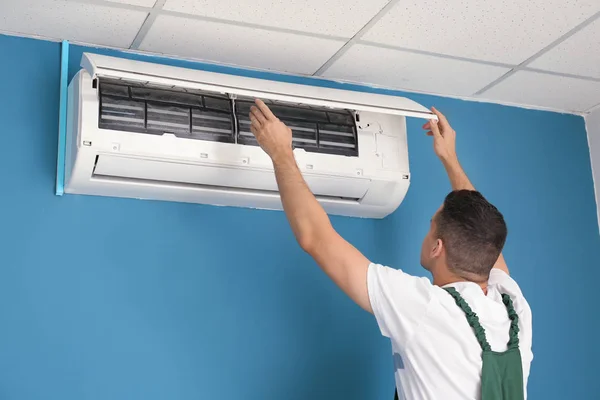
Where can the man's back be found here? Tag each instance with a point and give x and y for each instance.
(436, 353)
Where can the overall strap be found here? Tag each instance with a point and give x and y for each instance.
(473, 319)
(513, 341)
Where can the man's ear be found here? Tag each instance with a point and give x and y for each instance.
(436, 251)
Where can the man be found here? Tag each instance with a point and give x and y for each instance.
(467, 335)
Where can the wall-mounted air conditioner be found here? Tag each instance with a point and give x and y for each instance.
(151, 131)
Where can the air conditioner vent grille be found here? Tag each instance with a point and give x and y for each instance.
(135, 107)
(314, 129)
(196, 114)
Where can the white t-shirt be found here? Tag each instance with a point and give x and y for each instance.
(436, 354)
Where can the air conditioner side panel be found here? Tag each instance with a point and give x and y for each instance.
(389, 168)
(72, 128)
(80, 158)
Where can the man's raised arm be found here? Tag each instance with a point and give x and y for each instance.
(343, 263)
(444, 145)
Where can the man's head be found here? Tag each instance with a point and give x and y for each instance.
(466, 237)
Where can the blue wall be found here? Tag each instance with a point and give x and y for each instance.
(105, 298)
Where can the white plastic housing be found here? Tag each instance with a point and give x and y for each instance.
(125, 164)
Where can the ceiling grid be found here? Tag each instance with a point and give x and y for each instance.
(486, 51)
(147, 24)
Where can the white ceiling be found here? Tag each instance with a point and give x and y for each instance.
(540, 53)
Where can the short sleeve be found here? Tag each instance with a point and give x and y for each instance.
(399, 301)
(503, 283)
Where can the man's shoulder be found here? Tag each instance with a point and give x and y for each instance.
(394, 278)
(399, 300)
(504, 283)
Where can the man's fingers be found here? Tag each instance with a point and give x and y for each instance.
(429, 133)
(265, 110)
(427, 125)
(257, 114)
(435, 130)
(442, 118)
(254, 121)
(254, 130)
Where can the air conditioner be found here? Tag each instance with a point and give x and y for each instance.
(151, 131)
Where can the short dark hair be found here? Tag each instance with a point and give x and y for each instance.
(473, 232)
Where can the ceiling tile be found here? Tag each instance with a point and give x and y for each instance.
(579, 54)
(238, 45)
(545, 90)
(142, 3)
(332, 17)
(500, 31)
(410, 71)
(61, 19)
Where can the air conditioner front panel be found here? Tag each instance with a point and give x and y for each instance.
(112, 166)
(152, 131)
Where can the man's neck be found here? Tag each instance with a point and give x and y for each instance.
(448, 279)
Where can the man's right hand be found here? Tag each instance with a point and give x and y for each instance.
(444, 145)
(444, 137)
(272, 135)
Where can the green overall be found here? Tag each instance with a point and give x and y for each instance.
(502, 372)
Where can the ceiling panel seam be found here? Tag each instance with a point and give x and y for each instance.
(110, 4)
(561, 39)
(356, 37)
(543, 51)
(563, 74)
(496, 81)
(253, 25)
(433, 54)
(593, 109)
(139, 37)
